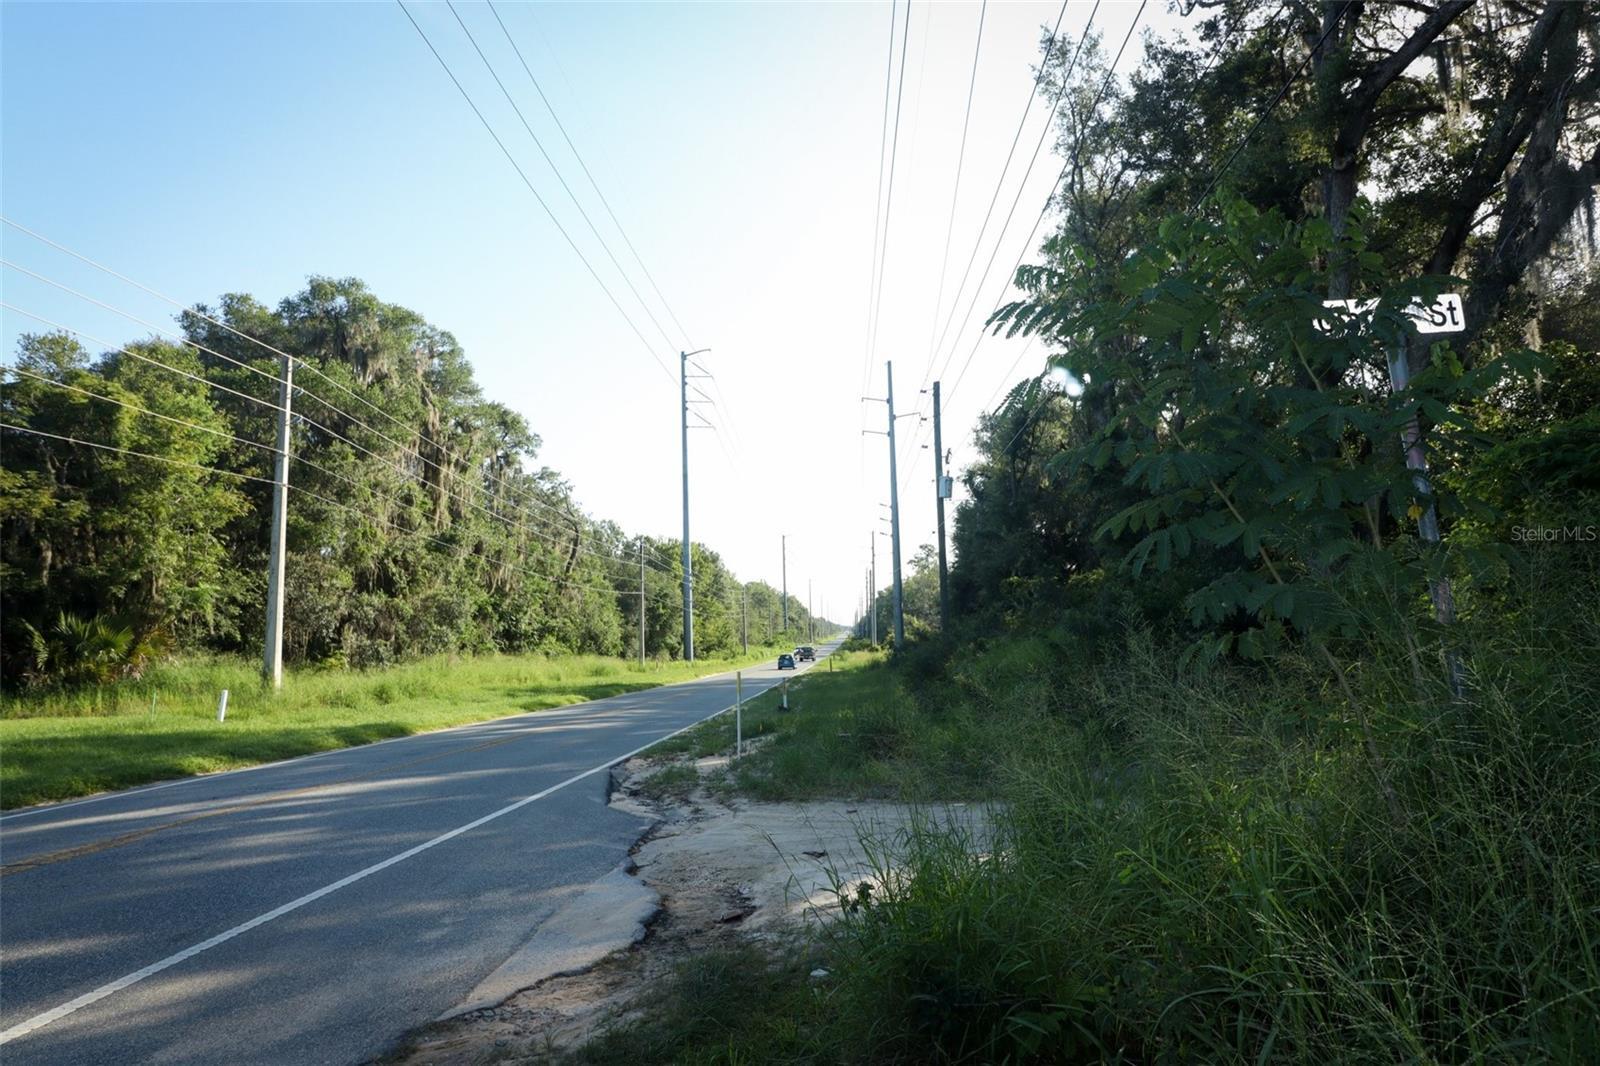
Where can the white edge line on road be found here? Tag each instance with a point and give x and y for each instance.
(72, 1006)
(51, 808)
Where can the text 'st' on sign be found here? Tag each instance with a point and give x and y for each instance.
(1444, 315)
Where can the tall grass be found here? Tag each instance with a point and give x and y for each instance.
(64, 743)
(1201, 867)
(1199, 864)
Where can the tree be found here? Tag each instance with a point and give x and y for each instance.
(131, 530)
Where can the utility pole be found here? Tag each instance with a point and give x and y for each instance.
(942, 493)
(785, 544)
(872, 591)
(688, 564)
(744, 615)
(641, 600)
(811, 619)
(277, 537)
(894, 516)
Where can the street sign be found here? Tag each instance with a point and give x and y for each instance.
(1444, 315)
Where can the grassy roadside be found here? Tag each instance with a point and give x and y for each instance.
(59, 745)
(1190, 864)
(852, 732)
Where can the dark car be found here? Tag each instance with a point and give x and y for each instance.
(806, 654)
(786, 662)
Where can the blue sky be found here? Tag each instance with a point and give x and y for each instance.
(204, 148)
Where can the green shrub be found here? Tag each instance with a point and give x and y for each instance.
(1198, 865)
(96, 650)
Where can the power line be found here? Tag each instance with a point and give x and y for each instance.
(141, 455)
(204, 317)
(1277, 98)
(144, 358)
(961, 156)
(1065, 170)
(136, 408)
(298, 361)
(1216, 53)
(888, 207)
(159, 330)
(1043, 211)
(23, 372)
(721, 406)
(560, 544)
(1293, 77)
(725, 409)
(592, 183)
(407, 450)
(593, 229)
(526, 181)
(268, 481)
(1049, 126)
(1026, 348)
(877, 202)
(1016, 138)
(557, 171)
(548, 536)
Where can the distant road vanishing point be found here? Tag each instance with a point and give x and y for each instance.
(318, 909)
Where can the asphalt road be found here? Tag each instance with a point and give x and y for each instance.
(315, 910)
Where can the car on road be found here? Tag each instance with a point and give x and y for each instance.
(786, 662)
(807, 654)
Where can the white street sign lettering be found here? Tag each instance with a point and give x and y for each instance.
(1444, 315)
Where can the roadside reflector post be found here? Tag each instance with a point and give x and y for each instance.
(222, 706)
(784, 706)
(738, 714)
(152, 705)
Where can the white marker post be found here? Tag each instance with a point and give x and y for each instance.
(222, 706)
(738, 714)
(1444, 315)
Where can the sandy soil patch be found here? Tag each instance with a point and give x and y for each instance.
(722, 869)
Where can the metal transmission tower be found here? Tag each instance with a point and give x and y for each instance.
(688, 563)
(272, 667)
(894, 502)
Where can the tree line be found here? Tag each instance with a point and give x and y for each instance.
(1197, 450)
(1280, 775)
(134, 515)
